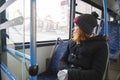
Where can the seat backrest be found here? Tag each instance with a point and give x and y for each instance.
(114, 39)
(57, 55)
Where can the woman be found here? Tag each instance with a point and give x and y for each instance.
(86, 54)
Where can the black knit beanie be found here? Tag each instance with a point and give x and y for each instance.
(87, 22)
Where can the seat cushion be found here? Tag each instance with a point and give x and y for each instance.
(47, 76)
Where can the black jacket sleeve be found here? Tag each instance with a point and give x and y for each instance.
(97, 70)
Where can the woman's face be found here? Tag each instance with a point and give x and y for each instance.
(76, 33)
(79, 35)
(75, 30)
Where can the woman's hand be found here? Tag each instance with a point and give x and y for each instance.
(62, 74)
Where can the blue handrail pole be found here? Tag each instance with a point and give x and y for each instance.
(18, 53)
(33, 60)
(7, 72)
(105, 18)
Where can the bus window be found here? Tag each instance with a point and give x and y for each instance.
(84, 7)
(52, 19)
(14, 11)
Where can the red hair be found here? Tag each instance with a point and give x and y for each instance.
(81, 35)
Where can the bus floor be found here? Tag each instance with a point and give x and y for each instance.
(114, 70)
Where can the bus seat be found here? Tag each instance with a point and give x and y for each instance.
(51, 72)
(114, 39)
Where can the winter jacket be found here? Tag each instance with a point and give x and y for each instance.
(86, 60)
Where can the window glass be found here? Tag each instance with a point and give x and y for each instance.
(83, 7)
(86, 8)
(15, 13)
(52, 19)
